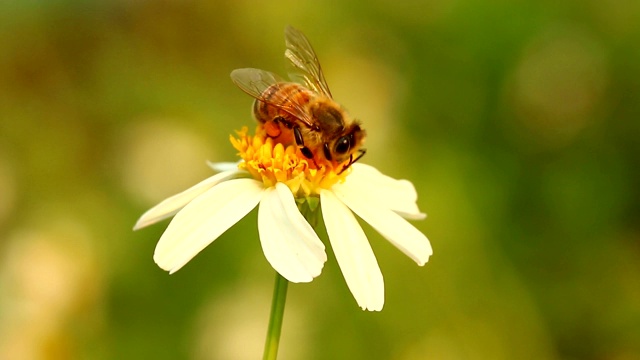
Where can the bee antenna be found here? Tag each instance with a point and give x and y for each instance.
(352, 160)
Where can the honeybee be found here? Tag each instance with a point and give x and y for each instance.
(302, 111)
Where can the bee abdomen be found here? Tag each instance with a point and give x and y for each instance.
(278, 97)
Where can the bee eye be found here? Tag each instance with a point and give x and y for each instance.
(343, 145)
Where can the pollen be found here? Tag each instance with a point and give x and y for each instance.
(271, 162)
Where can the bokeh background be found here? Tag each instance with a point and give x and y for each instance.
(517, 121)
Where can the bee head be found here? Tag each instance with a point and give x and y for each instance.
(345, 145)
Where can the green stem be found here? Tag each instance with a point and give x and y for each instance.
(275, 321)
(308, 209)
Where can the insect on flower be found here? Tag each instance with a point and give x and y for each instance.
(293, 169)
(303, 113)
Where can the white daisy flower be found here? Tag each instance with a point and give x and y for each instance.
(284, 184)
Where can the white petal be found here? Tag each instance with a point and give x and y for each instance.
(353, 252)
(390, 225)
(204, 219)
(397, 195)
(289, 243)
(170, 206)
(223, 166)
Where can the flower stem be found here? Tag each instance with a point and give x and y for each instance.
(275, 321)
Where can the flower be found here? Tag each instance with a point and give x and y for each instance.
(284, 184)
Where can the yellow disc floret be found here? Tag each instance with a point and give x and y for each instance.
(272, 162)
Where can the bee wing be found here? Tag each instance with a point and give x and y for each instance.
(255, 81)
(304, 61)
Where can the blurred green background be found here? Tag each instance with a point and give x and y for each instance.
(517, 121)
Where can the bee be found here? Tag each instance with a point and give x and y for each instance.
(302, 111)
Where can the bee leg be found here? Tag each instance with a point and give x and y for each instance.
(297, 136)
(280, 120)
(300, 142)
(327, 152)
(273, 128)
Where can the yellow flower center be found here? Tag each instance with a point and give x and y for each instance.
(271, 162)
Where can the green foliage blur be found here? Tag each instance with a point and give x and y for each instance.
(518, 122)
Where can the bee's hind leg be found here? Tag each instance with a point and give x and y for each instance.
(273, 128)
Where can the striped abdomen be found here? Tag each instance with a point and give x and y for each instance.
(282, 95)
